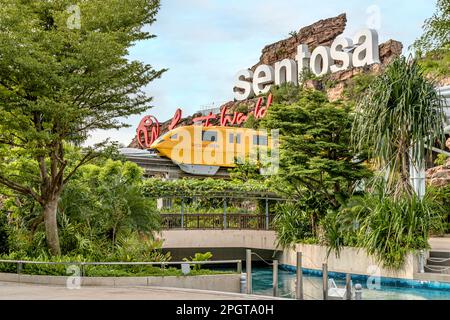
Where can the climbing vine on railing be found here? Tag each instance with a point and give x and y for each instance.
(155, 188)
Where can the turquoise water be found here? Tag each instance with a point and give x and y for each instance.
(262, 284)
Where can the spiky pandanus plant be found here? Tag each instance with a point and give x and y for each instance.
(399, 115)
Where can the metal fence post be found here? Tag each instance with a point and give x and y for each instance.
(243, 283)
(348, 286)
(299, 283)
(239, 266)
(182, 213)
(325, 281)
(248, 270)
(224, 213)
(82, 271)
(267, 214)
(358, 291)
(19, 267)
(422, 261)
(275, 278)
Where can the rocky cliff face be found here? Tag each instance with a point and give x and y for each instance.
(319, 33)
(323, 33)
(440, 176)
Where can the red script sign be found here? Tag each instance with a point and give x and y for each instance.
(149, 127)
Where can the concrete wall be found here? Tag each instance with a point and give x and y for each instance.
(224, 283)
(351, 260)
(219, 239)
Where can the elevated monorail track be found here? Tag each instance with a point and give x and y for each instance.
(155, 166)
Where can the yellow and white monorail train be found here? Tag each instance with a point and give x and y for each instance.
(204, 150)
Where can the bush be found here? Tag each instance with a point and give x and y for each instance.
(199, 257)
(441, 196)
(156, 187)
(387, 228)
(292, 224)
(91, 270)
(441, 159)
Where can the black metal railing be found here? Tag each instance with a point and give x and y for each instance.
(82, 265)
(217, 221)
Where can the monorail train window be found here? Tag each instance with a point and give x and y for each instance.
(238, 138)
(210, 136)
(174, 137)
(260, 140)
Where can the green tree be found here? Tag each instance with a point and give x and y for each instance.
(317, 164)
(399, 115)
(64, 71)
(102, 213)
(436, 29)
(433, 47)
(245, 172)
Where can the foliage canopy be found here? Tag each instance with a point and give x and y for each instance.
(61, 76)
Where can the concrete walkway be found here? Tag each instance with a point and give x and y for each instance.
(440, 244)
(16, 291)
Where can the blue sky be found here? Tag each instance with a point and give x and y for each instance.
(204, 43)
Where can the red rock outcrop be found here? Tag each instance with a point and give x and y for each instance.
(320, 33)
(440, 176)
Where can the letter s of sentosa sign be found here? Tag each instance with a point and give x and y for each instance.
(343, 54)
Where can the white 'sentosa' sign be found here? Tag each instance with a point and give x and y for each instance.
(362, 50)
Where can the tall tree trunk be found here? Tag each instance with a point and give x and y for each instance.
(51, 226)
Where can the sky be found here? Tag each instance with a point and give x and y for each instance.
(204, 43)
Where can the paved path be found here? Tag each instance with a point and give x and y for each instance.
(16, 291)
(440, 244)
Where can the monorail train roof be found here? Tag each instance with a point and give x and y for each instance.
(134, 152)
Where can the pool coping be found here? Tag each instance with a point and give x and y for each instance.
(386, 281)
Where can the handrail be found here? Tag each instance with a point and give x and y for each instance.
(217, 221)
(122, 263)
(21, 263)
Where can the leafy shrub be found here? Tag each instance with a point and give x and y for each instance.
(387, 228)
(435, 63)
(155, 187)
(441, 159)
(358, 86)
(92, 270)
(131, 247)
(199, 257)
(292, 224)
(441, 196)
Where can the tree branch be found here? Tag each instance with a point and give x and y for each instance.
(19, 188)
(88, 157)
(11, 143)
